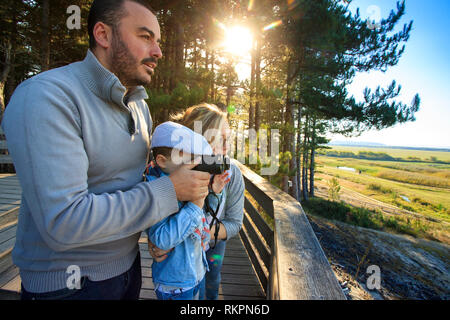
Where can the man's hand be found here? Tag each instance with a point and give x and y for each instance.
(199, 202)
(219, 182)
(157, 253)
(190, 185)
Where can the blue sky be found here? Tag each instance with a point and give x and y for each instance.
(424, 68)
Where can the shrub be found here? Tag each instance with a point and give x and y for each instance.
(363, 217)
(333, 189)
(379, 188)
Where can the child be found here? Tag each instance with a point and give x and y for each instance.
(180, 276)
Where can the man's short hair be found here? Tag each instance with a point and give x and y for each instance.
(110, 12)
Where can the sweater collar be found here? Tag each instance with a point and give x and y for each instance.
(105, 84)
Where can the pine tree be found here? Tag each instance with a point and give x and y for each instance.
(329, 46)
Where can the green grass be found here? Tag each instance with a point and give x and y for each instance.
(399, 153)
(422, 179)
(380, 188)
(366, 218)
(425, 184)
(389, 191)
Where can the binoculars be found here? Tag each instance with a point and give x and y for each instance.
(214, 164)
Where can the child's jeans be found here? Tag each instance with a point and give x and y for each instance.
(179, 294)
(210, 290)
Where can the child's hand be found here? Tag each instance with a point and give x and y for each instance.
(219, 182)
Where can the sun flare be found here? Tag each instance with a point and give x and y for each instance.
(238, 40)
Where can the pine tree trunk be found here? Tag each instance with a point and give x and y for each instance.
(2, 100)
(251, 111)
(213, 76)
(312, 164)
(3, 77)
(293, 163)
(229, 94)
(179, 46)
(167, 85)
(297, 152)
(258, 85)
(287, 116)
(311, 173)
(45, 36)
(10, 57)
(289, 124)
(195, 55)
(305, 163)
(286, 184)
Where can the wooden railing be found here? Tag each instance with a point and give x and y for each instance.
(287, 257)
(8, 223)
(5, 158)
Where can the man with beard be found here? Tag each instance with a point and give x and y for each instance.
(79, 137)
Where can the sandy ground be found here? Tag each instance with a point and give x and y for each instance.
(409, 268)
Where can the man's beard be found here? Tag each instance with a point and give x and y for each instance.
(124, 65)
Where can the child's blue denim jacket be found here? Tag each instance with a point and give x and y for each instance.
(187, 232)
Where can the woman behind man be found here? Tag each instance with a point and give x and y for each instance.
(212, 123)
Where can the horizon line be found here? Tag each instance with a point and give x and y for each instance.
(379, 144)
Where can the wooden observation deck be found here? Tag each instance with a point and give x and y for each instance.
(276, 255)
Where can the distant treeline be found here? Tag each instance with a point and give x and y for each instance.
(378, 156)
(388, 147)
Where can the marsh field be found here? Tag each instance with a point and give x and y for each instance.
(404, 191)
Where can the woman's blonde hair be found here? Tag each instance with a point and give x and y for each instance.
(210, 116)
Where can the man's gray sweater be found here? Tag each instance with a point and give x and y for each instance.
(80, 169)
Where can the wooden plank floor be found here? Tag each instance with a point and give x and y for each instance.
(239, 280)
(10, 193)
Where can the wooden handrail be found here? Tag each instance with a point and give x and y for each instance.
(4, 158)
(295, 266)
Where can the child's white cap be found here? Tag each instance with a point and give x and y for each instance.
(174, 135)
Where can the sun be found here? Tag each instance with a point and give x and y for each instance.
(238, 41)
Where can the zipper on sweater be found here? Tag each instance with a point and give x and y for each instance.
(131, 124)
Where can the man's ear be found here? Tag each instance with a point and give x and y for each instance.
(161, 161)
(103, 35)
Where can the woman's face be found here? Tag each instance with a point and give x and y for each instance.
(221, 144)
